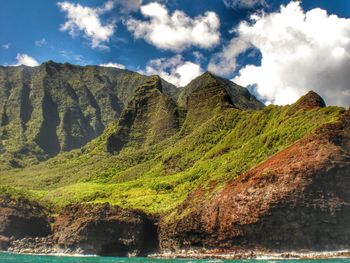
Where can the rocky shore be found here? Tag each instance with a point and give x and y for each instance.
(251, 254)
(79, 229)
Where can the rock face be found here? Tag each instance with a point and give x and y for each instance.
(298, 199)
(309, 101)
(150, 116)
(4, 243)
(105, 230)
(21, 218)
(58, 107)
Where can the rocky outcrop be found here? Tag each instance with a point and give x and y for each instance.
(298, 199)
(105, 230)
(31, 245)
(309, 101)
(21, 218)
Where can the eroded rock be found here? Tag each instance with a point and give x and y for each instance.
(105, 230)
(21, 218)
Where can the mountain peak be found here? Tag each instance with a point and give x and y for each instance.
(240, 96)
(152, 82)
(149, 117)
(309, 101)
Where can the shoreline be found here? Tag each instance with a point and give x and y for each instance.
(196, 255)
(258, 255)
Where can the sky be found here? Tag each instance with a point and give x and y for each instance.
(278, 49)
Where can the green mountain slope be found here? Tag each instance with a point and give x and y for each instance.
(55, 107)
(149, 117)
(157, 153)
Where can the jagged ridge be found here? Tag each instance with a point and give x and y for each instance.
(58, 107)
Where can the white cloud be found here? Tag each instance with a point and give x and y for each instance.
(174, 70)
(40, 42)
(300, 51)
(87, 19)
(176, 31)
(244, 4)
(198, 56)
(26, 60)
(224, 62)
(6, 46)
(112, 65)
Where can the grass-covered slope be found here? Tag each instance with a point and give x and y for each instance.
(55, 107)
(158, 175)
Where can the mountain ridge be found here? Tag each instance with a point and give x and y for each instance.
(57, 107)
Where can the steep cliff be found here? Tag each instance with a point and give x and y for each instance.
(105, 230)
(21, 218)
(297, 199)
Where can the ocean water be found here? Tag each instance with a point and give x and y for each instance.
(15, 258)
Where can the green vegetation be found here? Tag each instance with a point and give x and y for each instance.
(59, 107)
(158, 177)
(154, 155)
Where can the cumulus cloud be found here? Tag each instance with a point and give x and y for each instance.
(87, 20)
(174, 70)
(244, 4)
(40, 42)
(177, 31)
(300, 51)
(26, 60)
(112, 65)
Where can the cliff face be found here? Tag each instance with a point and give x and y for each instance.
(58, 107)
(297, 199)
(21, 218)
(105, 230)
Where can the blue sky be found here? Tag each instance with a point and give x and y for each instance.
(180, 39)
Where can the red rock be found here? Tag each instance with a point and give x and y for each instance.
(297, 199)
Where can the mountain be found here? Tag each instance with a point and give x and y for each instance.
(239, 96)
(212, 168)
(153, 157)
(297, 199)
(55, 107)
